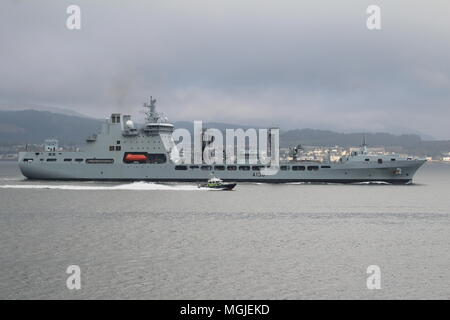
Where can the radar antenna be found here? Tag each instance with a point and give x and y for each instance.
(151, 115)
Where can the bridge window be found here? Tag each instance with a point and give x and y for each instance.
(67, 160)
(206, 168)
(180, 167)
(27, 160)
(51, 160)
(244, 168)
(325, 167)
(393, 159)
(115, 118)
(232, 168)
(380, 160)
(111, 148)
(220, 168)
(194, 167)
(118, 148)
(79, 160)
(257, 168)
(298, 168)
(284, 168)
(366, 159)
(311, 168)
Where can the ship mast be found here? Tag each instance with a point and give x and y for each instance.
(151, 116)
(364, 145)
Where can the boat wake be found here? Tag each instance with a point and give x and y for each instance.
(12, 179)
(373, 182)
(144, 186)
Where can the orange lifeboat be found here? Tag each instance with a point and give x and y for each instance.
(136, 157)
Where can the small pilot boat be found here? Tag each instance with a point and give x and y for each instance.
(217, 184)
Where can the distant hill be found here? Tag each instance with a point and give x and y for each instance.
(189, 125)
(60, 110)
(31, 126)
(313, 137)
(326, 138)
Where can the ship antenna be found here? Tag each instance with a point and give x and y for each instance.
(364, 145)
(152, 104)
(150, 114)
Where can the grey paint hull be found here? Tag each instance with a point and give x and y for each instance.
(347, 172)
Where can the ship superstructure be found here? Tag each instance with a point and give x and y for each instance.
(124, 151)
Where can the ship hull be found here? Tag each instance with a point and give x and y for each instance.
(36, 166)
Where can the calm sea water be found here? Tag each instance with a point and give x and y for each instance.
(174, 241)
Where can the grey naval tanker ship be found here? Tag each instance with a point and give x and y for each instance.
(124, 151)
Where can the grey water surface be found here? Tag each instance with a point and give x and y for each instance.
(176, 241)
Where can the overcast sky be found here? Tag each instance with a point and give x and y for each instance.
(290, 63)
